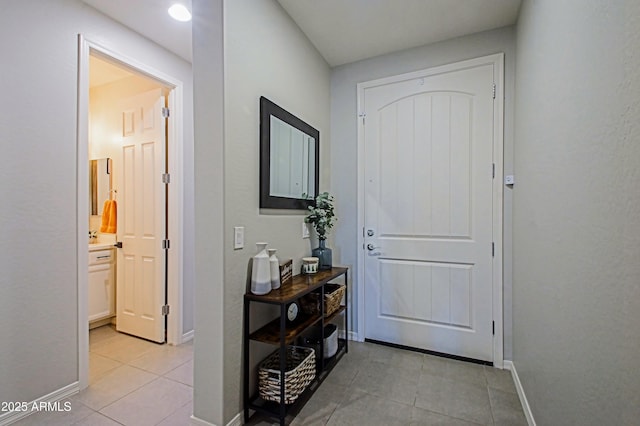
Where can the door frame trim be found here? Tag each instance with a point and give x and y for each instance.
(497, 60)
(175, 151)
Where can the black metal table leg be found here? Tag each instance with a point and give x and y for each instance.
(246, 360)
(283, 361)
(346, 312)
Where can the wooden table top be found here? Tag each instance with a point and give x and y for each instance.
(298, 286)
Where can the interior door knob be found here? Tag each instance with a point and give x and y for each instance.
(371, 249)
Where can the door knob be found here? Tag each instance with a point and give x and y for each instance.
(371, 249)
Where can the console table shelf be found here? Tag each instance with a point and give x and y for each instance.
(329, 318)
(282, 333)
(270, 333)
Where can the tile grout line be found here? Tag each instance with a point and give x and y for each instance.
(493, 418)
(175, 411)
(486, 380)
(124, 342)
(127, 394)
(102, 414)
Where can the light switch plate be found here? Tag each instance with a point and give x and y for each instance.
(305, 230)
(238, 237)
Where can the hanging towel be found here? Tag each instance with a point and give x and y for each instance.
(109, 217)
(106, 208)
(113, 218)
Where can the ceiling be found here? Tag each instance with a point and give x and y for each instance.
(103, 72)
(343, 31)
(150, 18)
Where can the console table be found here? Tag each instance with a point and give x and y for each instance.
(280, 333)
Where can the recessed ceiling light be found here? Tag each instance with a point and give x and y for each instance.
(180, 13)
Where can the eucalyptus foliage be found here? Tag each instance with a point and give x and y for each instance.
(322, 215)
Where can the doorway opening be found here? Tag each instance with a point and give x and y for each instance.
(130, 115)
(128, 131)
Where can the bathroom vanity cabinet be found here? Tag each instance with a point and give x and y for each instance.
(101, 283)
(280, 333)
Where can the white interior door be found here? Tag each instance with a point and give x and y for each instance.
(140, 285)
(428, 147)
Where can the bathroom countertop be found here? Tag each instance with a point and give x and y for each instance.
(100, 246)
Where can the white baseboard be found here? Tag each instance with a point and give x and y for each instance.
(356, 336)
(99, 323)
(187, 336)
(236, 421)
(351, 335)
(57, 395)
(509, 365)
(199, 422)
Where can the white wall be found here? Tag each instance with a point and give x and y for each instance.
(38, 167)
(209, 213)
(576, 221)
(344, 136)
(266, 54)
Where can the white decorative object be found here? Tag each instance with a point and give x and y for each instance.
(309, 265)
(274, 266)
(260, 271)
(330, 340)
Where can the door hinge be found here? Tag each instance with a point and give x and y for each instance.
(165, 310)
(362, 115)
(166, 178)
(493, 328)
(494, 90)
(166, 112)
(165, 244)
(493, 249)
(493, 171)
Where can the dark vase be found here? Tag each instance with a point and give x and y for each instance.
(323, 253)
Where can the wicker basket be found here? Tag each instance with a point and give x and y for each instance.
(333, 294)
(300, 371)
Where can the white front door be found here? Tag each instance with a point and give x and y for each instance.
(140, 285)
(428, 187)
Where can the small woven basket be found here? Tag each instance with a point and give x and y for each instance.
(333, 294)
(300, 371)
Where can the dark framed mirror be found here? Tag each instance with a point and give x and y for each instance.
(289, 159)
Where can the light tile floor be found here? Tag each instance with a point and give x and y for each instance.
(131, 382)
(135, 382)
(379, 385)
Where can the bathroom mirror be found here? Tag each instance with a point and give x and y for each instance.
(289, 159)
(99, 184)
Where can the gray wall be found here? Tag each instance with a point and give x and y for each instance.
(344, 136)
(576, 233)
(209, 214)
(266, 54)
(38, 167)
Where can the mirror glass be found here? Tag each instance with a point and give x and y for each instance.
(99, 184)
(292, 160)
(289, 159)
